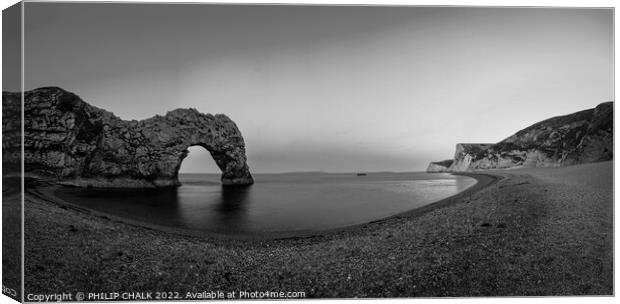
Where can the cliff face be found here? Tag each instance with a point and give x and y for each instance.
(581, 137)
(465, 155)
(66, 138)
(441, 166)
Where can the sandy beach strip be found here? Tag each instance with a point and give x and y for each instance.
(534, 232)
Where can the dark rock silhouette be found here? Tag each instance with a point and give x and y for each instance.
(582, 137)
(81, 145)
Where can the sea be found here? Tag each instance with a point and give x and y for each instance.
(286, 202)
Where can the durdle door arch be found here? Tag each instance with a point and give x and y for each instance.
(82, 145)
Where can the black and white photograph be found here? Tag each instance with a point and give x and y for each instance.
(157, 151)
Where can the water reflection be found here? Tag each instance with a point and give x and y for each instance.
(233, 200)
(136, 204)
(277, 202)
(225, 210)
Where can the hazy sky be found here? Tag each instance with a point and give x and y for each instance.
(328, 88)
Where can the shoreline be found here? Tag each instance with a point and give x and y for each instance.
(46, 193)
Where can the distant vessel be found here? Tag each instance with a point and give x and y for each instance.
(361, 174)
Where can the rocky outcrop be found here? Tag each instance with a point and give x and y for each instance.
(441, 166)
(81, 145)
(464, 155)
(581, 137)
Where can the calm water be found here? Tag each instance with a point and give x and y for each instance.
(276, 202)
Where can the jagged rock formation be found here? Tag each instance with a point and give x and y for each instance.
(79, 144)
(581, 137)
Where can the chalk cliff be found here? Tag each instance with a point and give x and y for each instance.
(581, 137)
(81, 145)
(440, 166)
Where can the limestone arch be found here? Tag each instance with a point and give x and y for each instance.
(94, 147)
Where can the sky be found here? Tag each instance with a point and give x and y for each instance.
(328, 88)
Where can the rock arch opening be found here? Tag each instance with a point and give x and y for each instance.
(199, 160)
(227, 159)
